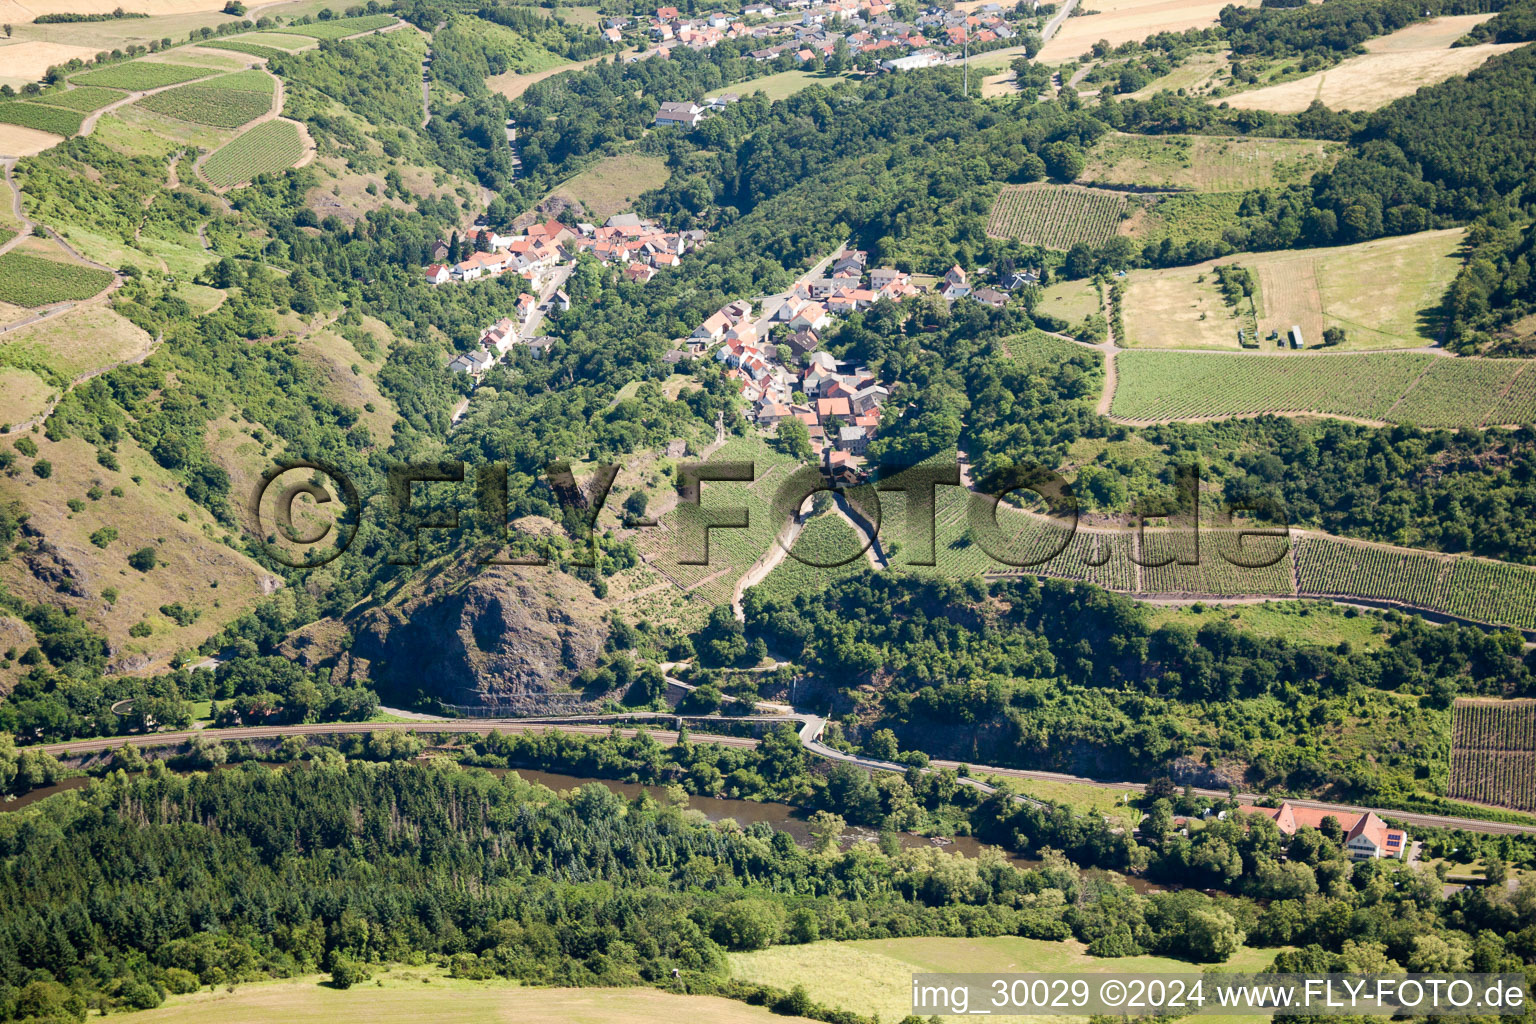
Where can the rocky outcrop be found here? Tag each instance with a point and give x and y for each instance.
(509, 638)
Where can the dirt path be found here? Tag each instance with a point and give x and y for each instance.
(776, 553)
(274, 113)
(869, 533)
(27, 227)
(42, 417)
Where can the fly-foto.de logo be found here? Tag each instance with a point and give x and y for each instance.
(308, 513)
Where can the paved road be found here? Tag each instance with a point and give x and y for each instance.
(810, 729)
(1056, 20)
(770, 304)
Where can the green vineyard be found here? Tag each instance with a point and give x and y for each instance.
(270, 146)
(228, 101)
(340, 27)
(1493, 753)
(44, 119)
(1056, 216)
(1407, 387)
(824, 539)
(84, 99)
(140, 74)
(1496, 593)
(731, 551)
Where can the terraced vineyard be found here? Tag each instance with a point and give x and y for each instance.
(1213, 571)
(824, 538)
(85, 99)
(139, 74)
(1493, 753)
(269, 147)
(340, 27)
(42, 118)
(1497, 593)
(1056, 216)
(1093, 557)
(1406, 387)
(731, 552)
(228, 101)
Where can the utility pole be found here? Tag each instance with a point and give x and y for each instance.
(966, 88)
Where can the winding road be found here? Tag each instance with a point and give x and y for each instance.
(810, 727)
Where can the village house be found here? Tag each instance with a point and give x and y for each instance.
(802, 343)
(437, 274)
(473, 363)
(686, 115)
(500, 336)
(812, 317)
(853, 440)
(991, 297)
(1366, 837)
(882, 276)
(639, 273)
(714, 327)
(526, 304)
(869, 397)
(841, 468)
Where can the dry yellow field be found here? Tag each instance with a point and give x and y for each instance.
(119, 32)
(22, 11)
(25, 60)
(613, 184)
(1398, 65)
(512, 85)
(1121, 21)
(23, 394)
(446, 1001)
(18, 141)
(86, 338)
(1379, 292)
(1434, 34)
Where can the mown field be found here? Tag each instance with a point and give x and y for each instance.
(1493, 752)
(1369, 81)
(405, 995)
(781, 85)
(228, 101)
(875, 975)
(339, 27)
(140, 74)
(1384, 294)
(27, 280)
(1056, 216)
(1121, 21)
(613, 184)
(1210, 163)
(269, 147)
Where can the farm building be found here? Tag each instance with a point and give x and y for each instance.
(1296, 339)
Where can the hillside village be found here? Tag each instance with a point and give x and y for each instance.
(783, 375)
(866, 34)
